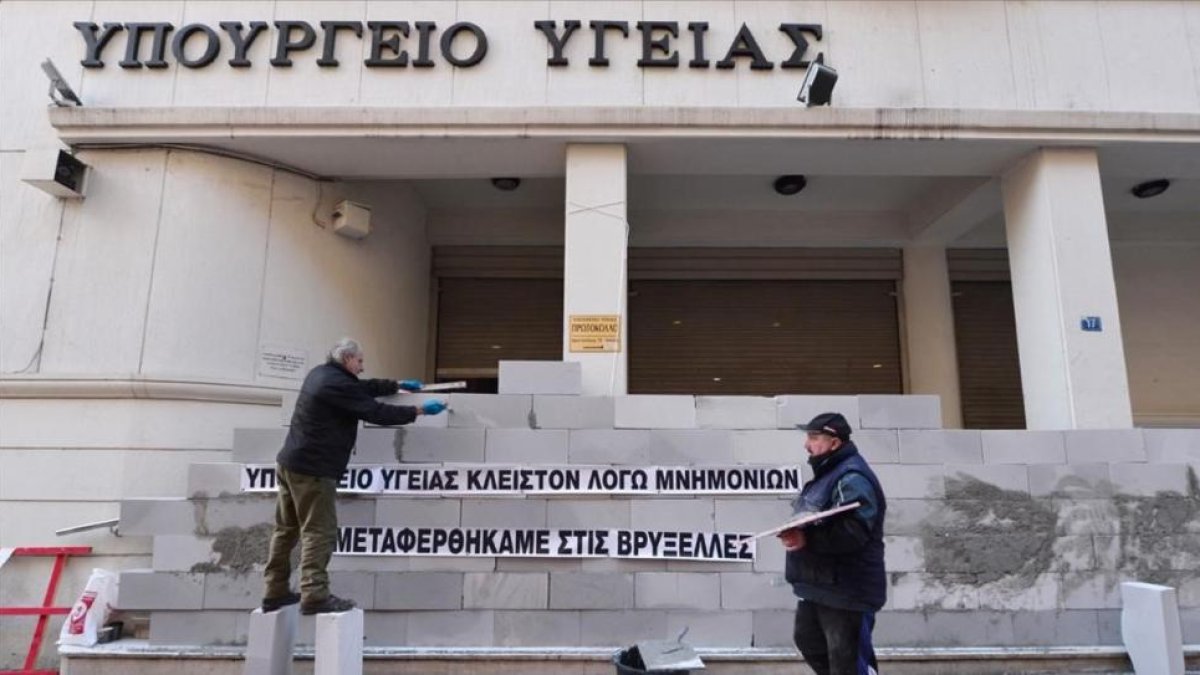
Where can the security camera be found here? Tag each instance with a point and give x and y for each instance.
(818, 85)
(55, 172)
(60, 92)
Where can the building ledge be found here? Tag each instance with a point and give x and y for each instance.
(129, 386)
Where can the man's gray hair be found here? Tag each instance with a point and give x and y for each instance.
(344, 348)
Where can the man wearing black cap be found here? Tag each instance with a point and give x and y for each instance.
(836, 565)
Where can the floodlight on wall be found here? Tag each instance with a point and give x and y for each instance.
(55, 172)
(506, 184)
(1151, 188)
(351, 219)
(790, 185)
(60, 92)
(818, 85)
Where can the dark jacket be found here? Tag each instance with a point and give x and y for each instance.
(325, 423)
(841, 564)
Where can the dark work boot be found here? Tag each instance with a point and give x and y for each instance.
(275, 604)
(330, 605)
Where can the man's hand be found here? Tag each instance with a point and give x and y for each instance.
(410, 385)
(432, 407)
(793, 539)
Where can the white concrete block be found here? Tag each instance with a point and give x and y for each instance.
(1091, 446)
(886, 411)
(541, 377)
(573, 412)
(339, 645)
(735, 412)
(1150, 628)
(271, 639)
(654, 412)
(793, 410)
(491, 410)
(770, 447)
(1172, 445)
(1011, 446)
(956, 446)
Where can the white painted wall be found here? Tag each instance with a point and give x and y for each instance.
(1061, 54)
(1160, 317)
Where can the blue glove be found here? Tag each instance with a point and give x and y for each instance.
(411, 385)
(433, 407)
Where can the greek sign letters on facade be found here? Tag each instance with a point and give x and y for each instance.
(398, 44)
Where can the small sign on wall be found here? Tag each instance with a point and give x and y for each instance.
(595, 333)
(285, 362)
(1091, 324)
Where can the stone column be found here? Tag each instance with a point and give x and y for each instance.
(929, 330)
(594, 270)
(1064, 295)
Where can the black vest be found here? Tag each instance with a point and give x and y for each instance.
(854, 581)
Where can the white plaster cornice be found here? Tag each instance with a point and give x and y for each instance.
(136, 387)
(88, 125)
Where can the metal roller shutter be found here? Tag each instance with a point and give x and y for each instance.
(481, 321)
(763, 337)
(989, 369)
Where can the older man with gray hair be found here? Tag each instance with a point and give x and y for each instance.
(315, 455)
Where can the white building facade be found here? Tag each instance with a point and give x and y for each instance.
(967, 225)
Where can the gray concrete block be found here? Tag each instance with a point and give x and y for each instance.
(452, 629)
(376, 445)
(271, 641)
(532, 628)
(197, 628)
(181, 552)
(370, 563)
(147, 589)
(419, 590)
(621, 628)
(242, 512)
(585, 590)
(1087, 516)
(212, 479)
(541, 377)
(988, 482)
(509, 411)
(909, 411)
(1172, 445)
(358, 586)
(573, 412)
(1110, 626)
(1149, 480)
(691, 446)
(644, 411)
(622, 565)
(879, 446)
(1074, 481)
(405, 512)
(1189, 625)
(673, 590)
(904, 553)
(1073, 553)
(793, 410)
(672, 514)
(769, 557)
(233, 591)
(940, 447)
(943, 629)
(1022, 595)
(713, 629)
(750, 515)
(1091, 590)
(705, 566)
(513, 514)
(735, 412)
(915, 481)
(505, 590)
(1023, 447)
(1094, 446)
(777, 447)
(909, 516)
(386, 629)
(773, 628)
(257, 446)
(418, 445)
(525, 446)
(609, 446)
(1056, 628)
(589, 514)
(159, 516)
(741, 590)
(926, 592)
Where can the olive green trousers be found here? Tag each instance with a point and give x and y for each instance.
(305, 511)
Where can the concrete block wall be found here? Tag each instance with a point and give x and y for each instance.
(993, 537)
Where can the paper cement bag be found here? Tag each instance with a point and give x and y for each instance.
(91, 610)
